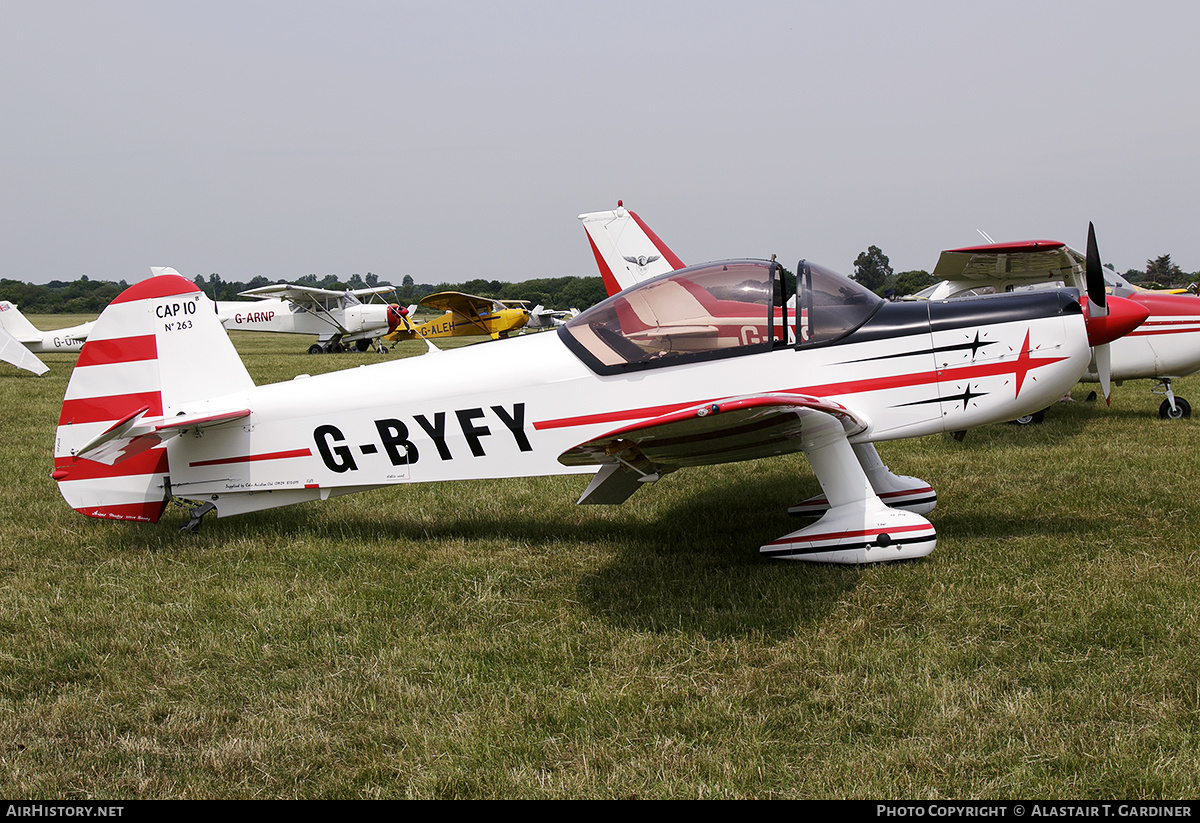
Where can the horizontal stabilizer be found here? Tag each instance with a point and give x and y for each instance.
(134, 434)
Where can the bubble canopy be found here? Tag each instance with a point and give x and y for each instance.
(723, 309)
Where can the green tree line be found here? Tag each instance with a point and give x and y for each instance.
(85, 296)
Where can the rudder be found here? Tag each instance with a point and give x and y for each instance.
(157, 347)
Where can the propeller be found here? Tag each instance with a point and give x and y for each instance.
(1097, 308)
(1107, 317)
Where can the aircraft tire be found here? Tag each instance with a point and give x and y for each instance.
(1031, 419)
(362, 345)
(315, 349)
(1182, 409)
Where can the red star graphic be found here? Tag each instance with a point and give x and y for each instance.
(1024, 364)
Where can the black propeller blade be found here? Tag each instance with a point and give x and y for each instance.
(1095, 271)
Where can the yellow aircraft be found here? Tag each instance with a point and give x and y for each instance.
(465, 315)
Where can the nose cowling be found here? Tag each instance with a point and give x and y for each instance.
(1123, 315)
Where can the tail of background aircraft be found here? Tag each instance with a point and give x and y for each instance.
(14, 351)
(158, 346)
(13, 322)
(626, 251)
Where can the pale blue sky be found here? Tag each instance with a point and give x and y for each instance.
(458, 139)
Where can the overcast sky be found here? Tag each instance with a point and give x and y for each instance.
(450, 140)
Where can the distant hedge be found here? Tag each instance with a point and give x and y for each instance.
(85, 296)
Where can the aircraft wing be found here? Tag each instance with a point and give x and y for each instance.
(739, 428)
(467, 305)
(1032, 261)
(371, 292)
(307, 296)
(13, 351)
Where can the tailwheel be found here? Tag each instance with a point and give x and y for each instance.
(197, 514)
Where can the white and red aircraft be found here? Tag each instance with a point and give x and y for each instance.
(1165, 347)
(692, 368)
(339, 319)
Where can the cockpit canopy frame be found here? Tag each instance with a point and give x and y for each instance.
(725, 309)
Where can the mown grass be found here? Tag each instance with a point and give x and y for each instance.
(486, 640)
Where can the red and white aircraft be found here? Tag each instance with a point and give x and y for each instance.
(692, 368)
(1165, 347)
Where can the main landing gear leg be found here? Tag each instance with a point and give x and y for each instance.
(857, 526)
(1173, 408)
(897, 491)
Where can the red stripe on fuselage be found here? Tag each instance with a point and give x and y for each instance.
(253, 458)
(1020, 369)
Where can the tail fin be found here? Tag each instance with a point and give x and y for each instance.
(626, 251)
(157, 351)
(13, 351)
(15, 323)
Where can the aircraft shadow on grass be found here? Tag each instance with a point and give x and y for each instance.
(677, 564)
(687, 565)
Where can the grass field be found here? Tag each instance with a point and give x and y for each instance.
(493, 640)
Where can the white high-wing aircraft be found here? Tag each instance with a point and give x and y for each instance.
(339, 319)
(700, 366)
(16, 328)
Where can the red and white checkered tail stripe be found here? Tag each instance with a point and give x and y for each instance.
(118, 373)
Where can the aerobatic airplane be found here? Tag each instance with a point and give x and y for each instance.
(700, 366)
(1165, 347)
(464, 315)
